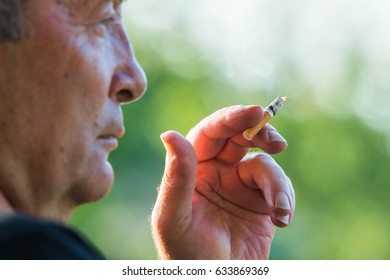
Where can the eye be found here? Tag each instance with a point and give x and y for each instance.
(108, 20)
(106, 17)
(106, 23)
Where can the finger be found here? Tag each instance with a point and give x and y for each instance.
(174, 201)
(210, 136)
(282, 217)
(292, 196)
(220, 135)
(233, 152)
(261, 171)
(269, 140)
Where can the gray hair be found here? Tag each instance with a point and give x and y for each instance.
(10, 20)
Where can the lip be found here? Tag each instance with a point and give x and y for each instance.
(110, 142)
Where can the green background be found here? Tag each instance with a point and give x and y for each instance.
(330, 58)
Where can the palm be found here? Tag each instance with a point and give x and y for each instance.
(227, 221)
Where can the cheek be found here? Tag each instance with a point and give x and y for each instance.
(86, 83)
(68, 81)
(80, 93)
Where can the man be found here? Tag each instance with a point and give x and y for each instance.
(67, 66)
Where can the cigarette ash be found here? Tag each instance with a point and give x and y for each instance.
(275, 105)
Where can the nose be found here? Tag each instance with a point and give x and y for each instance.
(129, 84)
(129, 81)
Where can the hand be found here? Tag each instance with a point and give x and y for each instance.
(215, 200)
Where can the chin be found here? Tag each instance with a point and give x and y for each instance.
(94, 184)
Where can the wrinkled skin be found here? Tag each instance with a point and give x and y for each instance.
(62, 86)
(215, 201)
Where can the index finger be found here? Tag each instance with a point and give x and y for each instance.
(211, 135)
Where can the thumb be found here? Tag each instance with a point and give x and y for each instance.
(174, 201)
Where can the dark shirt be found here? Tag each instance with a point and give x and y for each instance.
(26, 238)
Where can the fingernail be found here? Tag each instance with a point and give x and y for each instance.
(284, 219)
(166, 144)
(282, 201)
(274, 136)
(163, 136)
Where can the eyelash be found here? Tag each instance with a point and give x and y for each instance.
(108, 20)
(105, 24)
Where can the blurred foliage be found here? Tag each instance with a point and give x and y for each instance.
(339, 166)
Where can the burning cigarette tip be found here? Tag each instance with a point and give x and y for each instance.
(275, 105)
(269, 112)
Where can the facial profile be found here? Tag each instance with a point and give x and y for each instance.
(64, 84)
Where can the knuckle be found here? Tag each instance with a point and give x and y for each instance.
(261, 158)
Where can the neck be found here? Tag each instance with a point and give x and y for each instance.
(18, 195)
(6, 207)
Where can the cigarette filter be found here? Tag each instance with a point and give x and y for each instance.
(269, 112)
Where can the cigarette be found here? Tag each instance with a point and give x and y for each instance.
(269, 112)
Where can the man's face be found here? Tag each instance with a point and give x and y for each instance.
(61, 87)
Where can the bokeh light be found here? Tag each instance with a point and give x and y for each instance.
(332, 60)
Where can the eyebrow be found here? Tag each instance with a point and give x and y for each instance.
(90, 5)
(116, 3)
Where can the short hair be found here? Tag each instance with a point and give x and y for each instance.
(10, 20)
